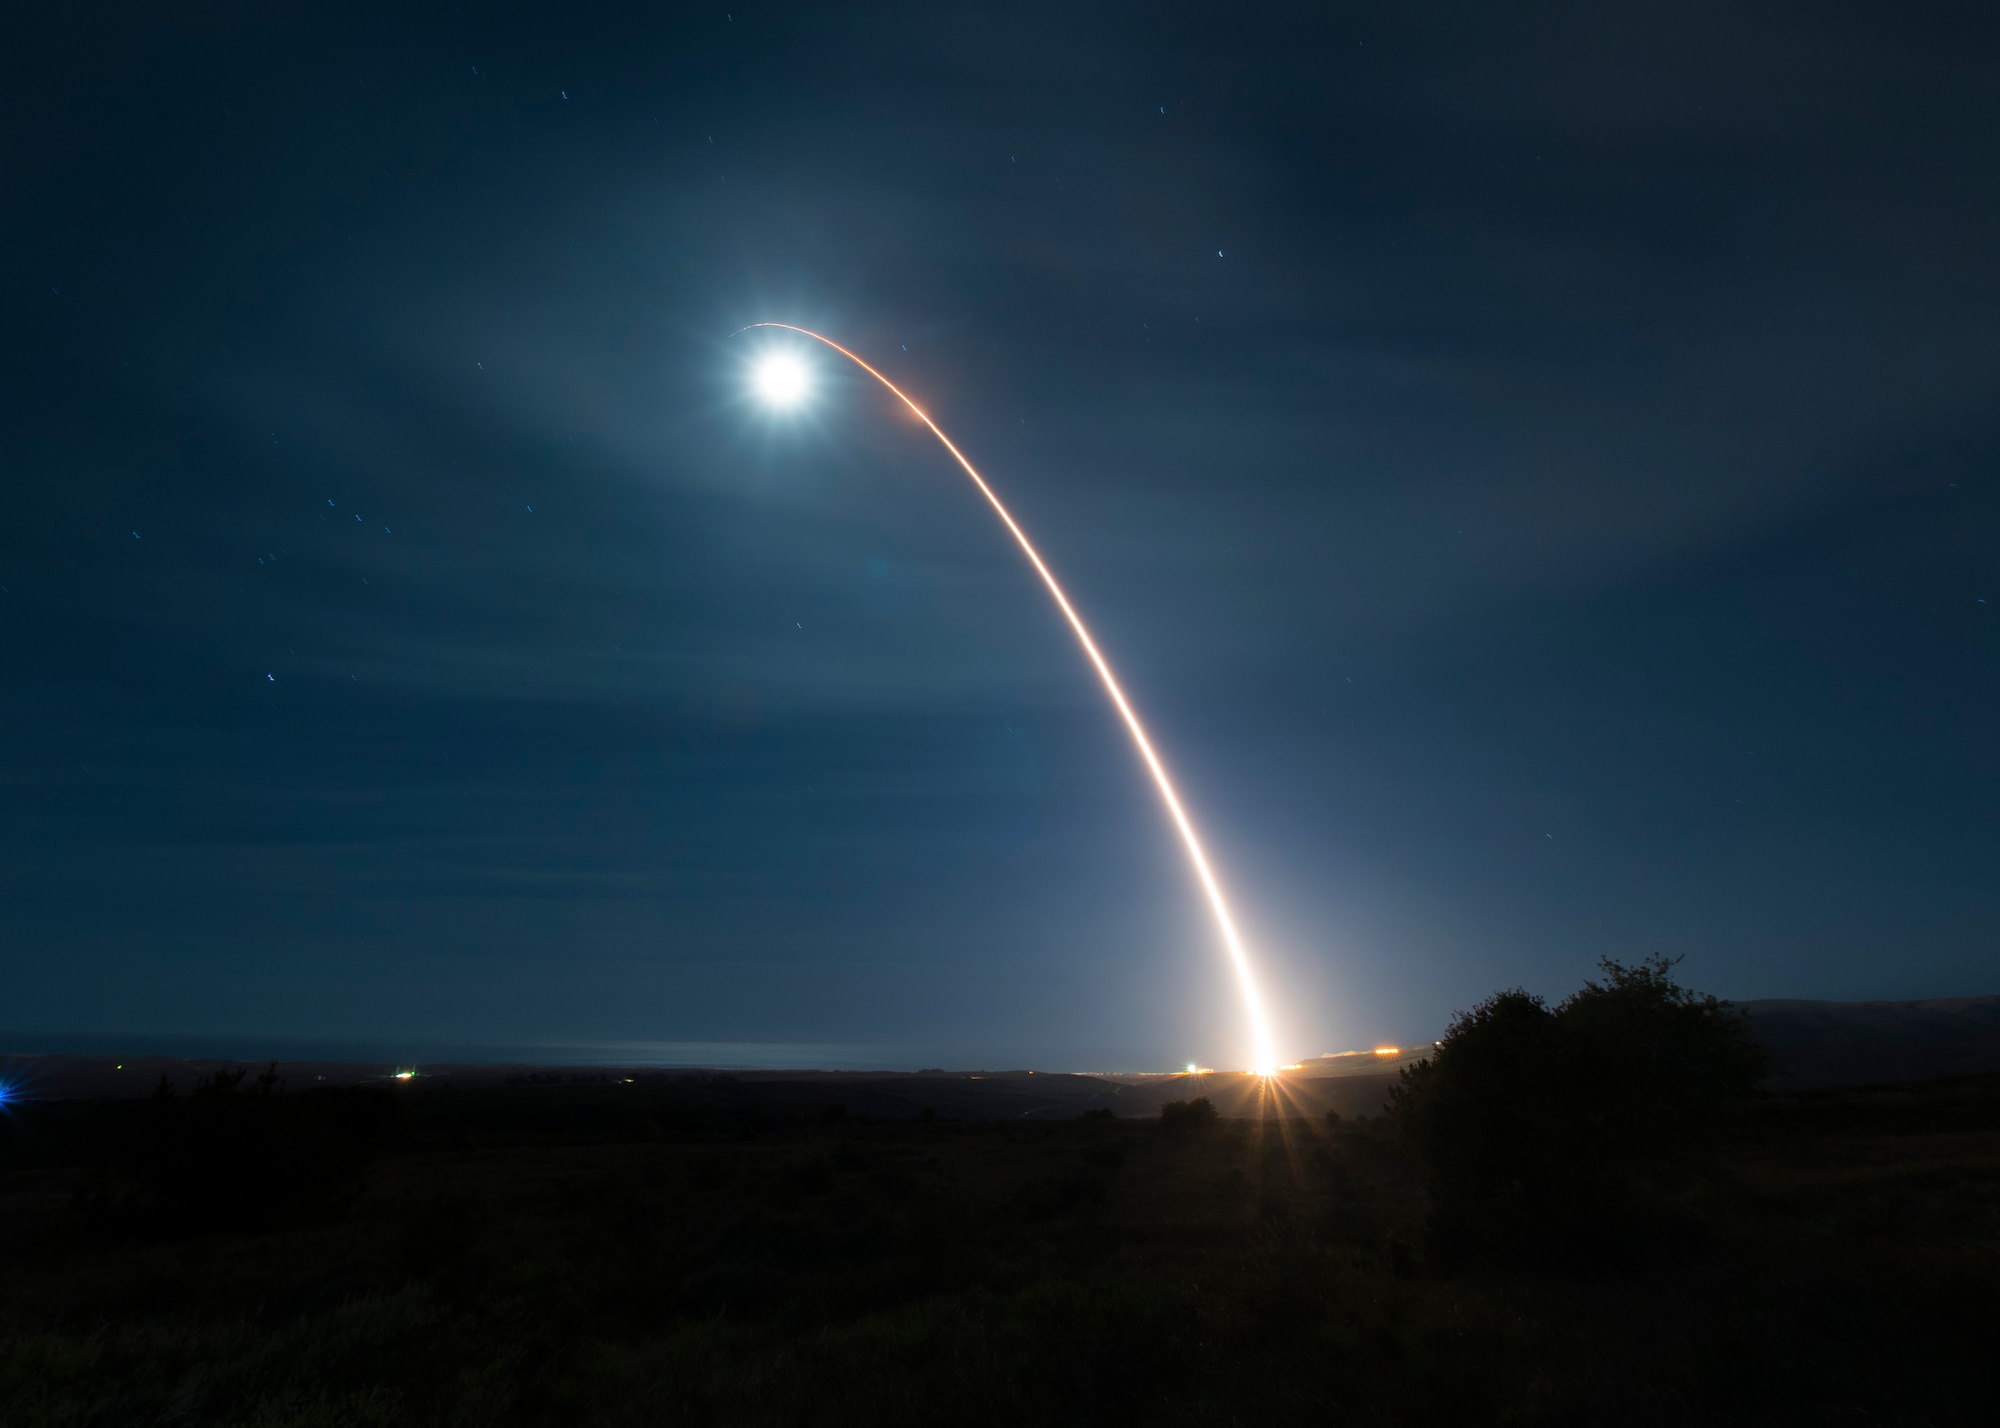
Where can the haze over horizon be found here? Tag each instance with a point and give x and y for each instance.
(1535, 474)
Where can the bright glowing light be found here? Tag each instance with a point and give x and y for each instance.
(1388, 1050)
(782, 380)
(6, 1093)
(406, 1075)
(1265, 1060)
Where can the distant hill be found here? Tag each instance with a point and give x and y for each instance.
(1357, 1089)
(1815, 1044)
(1863, 1043)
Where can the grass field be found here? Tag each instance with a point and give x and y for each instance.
(583, 1255)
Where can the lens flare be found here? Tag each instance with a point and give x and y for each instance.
(1266, 1059)
(781, 380)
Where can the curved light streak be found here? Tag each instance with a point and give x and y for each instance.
(1239, 960)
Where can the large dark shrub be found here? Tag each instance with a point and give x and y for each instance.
(1536, 1127)
(1484, 1110)
(1657, 1070)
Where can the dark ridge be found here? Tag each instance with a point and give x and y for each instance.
(1822, 1044)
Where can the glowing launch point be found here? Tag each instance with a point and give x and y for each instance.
(781, 380)
(784, 386)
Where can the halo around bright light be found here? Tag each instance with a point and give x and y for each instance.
(782, 380)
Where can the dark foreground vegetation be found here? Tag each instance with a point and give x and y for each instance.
(555, 1254)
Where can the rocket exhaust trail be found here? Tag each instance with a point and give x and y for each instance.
(1246, 981)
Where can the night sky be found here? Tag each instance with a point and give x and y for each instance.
(1534, 468)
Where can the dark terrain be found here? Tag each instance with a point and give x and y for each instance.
(1353, 1084)
(1868, 1043)
(728, 1250)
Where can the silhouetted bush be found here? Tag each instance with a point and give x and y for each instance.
(1187, 1117)
(1537, 1126)
(1658, 1069)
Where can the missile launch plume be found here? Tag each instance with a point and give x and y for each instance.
(1246, 980)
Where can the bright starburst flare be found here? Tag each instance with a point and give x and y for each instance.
(782, 380)
(784, 386)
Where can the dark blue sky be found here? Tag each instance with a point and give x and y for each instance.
(1535, 468)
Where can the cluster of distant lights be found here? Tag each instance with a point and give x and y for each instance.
(1195, 1068)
